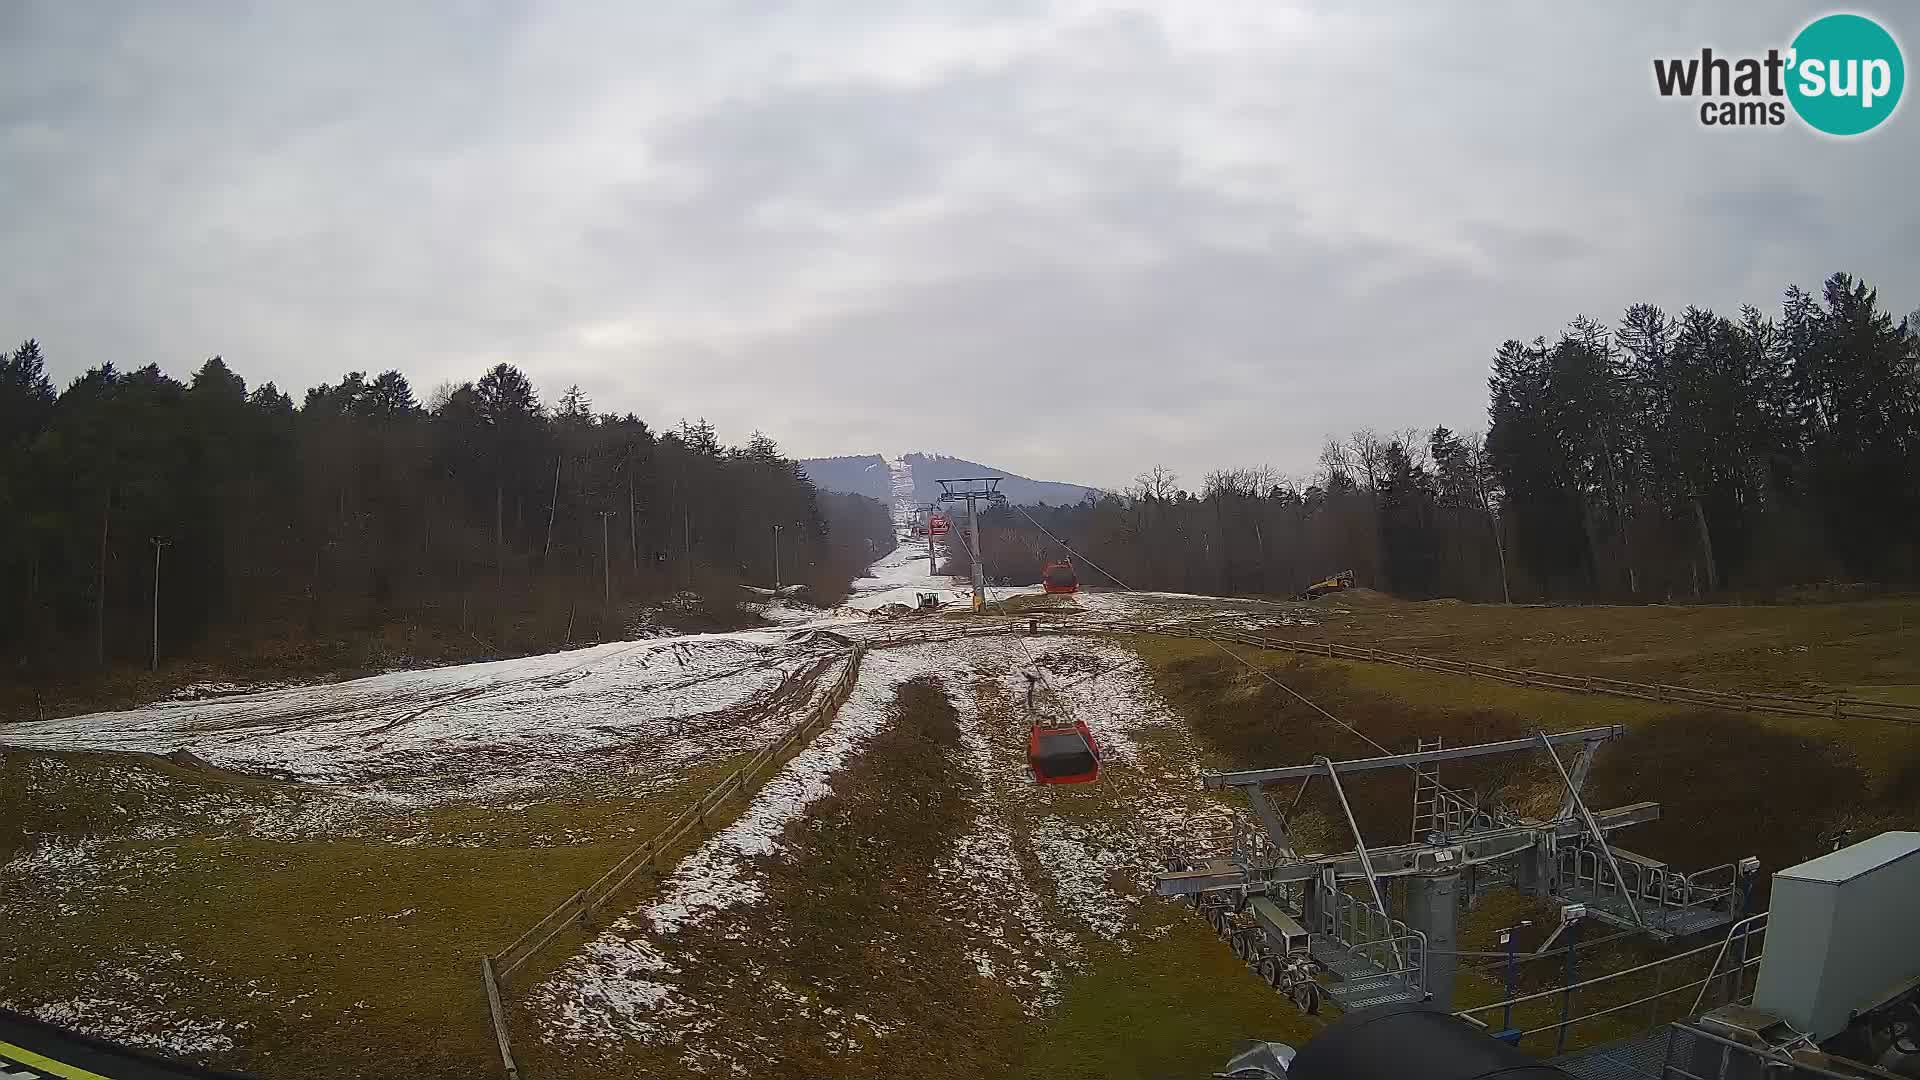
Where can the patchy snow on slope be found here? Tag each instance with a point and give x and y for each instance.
(897, 577)
(128, 999)
(472, 730)
(901, 576)
(140, 1025)
(906, 506)
(615, 987)
(784, 612)
(1098, 866)
(989, 892)
(1194, 611)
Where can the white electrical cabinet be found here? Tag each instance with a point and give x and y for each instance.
(1844, 930)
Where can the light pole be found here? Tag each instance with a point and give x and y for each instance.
(606, 561)
(776, 558)
(159, 544)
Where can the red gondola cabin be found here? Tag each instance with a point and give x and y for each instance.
(1058, 577)
(1063, 755)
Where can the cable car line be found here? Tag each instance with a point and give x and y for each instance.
(1055, 754)
(1251, 666)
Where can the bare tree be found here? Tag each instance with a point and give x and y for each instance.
(1482, 472)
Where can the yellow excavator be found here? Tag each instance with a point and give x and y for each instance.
(1341, 580)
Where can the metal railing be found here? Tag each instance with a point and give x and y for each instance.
(1455, 815)
(1748, 959)
(1581, 866)
(1364, 931)
(1696, 1054)
(1744, 932)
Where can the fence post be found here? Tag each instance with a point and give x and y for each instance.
(499, 1018)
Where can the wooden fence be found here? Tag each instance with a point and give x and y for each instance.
(577, 909)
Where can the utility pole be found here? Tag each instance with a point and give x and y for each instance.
(633, 529)
(553, 507)
(606, 562)
(159, 544)
(973, 490)
(776, 558)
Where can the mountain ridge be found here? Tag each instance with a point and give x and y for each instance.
(868, 474)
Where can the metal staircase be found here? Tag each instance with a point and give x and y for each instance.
(1367, 958)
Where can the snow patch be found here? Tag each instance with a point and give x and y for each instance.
(473, 731)
(599, 993)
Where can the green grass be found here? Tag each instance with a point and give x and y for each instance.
(1789, 648)
(854, 889)
(1730, 785)
(1171, 1000)
(341, 957)
(306, 942)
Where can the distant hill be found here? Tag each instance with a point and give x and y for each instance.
(866, 474)
(927, 468)
(860, 474)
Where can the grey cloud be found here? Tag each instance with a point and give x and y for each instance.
(1076, 239)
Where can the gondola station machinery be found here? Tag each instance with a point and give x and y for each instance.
(1838, 954)
(1318, 926)
(1835, 999)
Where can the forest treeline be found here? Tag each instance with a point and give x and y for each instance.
(1666, 457)
(481, 521)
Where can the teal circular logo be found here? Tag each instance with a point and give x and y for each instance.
(1846, 74)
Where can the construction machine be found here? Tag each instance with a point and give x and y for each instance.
(1339, 581)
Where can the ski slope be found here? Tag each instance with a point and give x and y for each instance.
(420, 737)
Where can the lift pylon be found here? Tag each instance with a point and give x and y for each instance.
(973, 490)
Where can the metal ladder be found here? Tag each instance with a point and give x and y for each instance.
(1426, 794)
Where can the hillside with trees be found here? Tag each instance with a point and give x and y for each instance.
(362, 527)
(1668, 457)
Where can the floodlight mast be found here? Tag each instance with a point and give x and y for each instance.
(973, 490)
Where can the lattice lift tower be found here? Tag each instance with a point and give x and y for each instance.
(1321, 925)
(973, 490)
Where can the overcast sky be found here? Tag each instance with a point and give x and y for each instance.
(1070, 239)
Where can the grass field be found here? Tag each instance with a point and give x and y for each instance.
(914, 903)
(1869, 645)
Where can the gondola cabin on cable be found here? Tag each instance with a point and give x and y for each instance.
(1058, 577)
(1063, 755)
